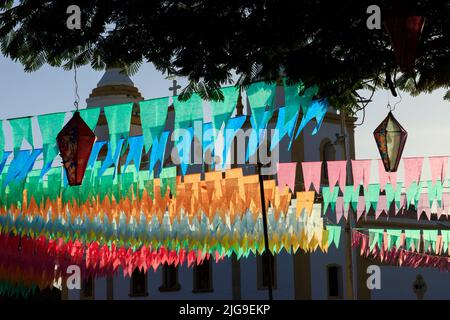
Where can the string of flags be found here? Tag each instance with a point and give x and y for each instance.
(153, 118)
(133, 220)
(402, 249)
(123, 218)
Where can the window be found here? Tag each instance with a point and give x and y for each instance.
(327, 153)
(263, 270)
(334, 280)
(203, 277)
(169, 278)
(138, 284)
(87, 288)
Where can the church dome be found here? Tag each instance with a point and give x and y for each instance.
(114, 87)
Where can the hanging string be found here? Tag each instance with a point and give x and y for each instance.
(399, 94)
(77, 97)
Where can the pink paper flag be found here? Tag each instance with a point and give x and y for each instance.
(439, 244)
(381, 206)
(403, 204)
(413, 169)
(438, 166)
(385, 241)
(311, 174)
(361, 172)
(360, 208)
(340, 209)
(337, 172)
(286, 175)
(385, 177)
(423, 206)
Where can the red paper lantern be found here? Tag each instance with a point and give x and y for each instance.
(75, 143)
(391, 139)
(404, 31)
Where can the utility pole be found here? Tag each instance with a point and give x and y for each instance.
(348, 225)
(266, 232)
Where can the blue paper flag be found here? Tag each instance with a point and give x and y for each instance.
(21, 165)
(317, 110)
(136, 144)
(158, 151)
(94, 153)
(184, 148)
(283, 128)
(111, 159)
(233, 126)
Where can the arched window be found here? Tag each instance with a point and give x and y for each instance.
(87, 288)
(203, 277)
(170, 278)
(327, 153)
(334, 281)
(262, 270)
(138, 284)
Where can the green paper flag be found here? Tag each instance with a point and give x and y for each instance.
(260, 95)
(412, 237)
(221, 110)
(168, 178)
(34, 187)
(127, 182)
(21, 129)
(334, 235)
(393, 195)
(329, 199)
(54, 183)
(348, 196)
(371, 196)
(429, 236)
(153, 119)
(292, 99)
(186, 112)
(119, 121)
(413, 193)
(90, 116)
(50, 125)
(2, 140)
(375, 238)
(394, 237)
(435, 192)
(146, 182)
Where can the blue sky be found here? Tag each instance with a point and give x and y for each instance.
(50, 89)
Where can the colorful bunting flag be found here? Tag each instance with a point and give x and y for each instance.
(50, 125)
(90, 116)
(21, 129)
(413, 170)
(438, 166)
(153, 115)
(361, 172)
(286, 175)
(311, 174)
(337, 173)
(119, 122)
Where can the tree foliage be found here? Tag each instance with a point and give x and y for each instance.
(321, 42)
